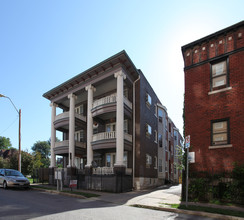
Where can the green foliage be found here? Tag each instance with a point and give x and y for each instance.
(43, 147)
(180, 156)
(4, 163)
(37, 163)
(5, 143)
(26, 163)
(221, 187)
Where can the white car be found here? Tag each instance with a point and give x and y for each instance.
(13, 178)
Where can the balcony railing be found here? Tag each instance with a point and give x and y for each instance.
(104, 135)
(66, 115)
(110, 135)
(109, 171)
(65, 143)
(104, 100)
(103, 170)
(110, 99)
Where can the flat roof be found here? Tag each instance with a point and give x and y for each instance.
(216, 34)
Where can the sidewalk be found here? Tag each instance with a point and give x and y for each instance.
(155, 199)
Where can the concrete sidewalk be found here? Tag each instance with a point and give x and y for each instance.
(159, 199)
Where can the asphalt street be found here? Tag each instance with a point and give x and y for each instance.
(30, 204)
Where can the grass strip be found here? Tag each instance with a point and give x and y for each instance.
(85, 194)
(208, 209)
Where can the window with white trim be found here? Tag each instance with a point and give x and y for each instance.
(148, 160)
(148, 130)
(220, 132)
(155, 162)
(155, 136)
(148, 99)
(219, 74)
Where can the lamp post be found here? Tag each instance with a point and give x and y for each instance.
(19, 113)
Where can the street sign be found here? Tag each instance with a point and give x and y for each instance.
(191, 157)
(188, 141)
(73, 184)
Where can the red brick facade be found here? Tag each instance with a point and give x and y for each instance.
(203, 104)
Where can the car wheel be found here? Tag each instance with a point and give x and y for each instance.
(5, 185)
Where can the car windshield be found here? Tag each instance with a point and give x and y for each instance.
(12, 173)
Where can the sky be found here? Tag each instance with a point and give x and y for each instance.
(44, 43)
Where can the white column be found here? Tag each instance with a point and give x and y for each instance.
(90, 89)
(72, 98)
(53, 134)
(120, 119)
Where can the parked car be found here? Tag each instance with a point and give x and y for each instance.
(13, 178)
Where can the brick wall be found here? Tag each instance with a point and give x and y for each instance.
(202, 107)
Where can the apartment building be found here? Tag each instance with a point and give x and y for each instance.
(214, 99)
(113, 125)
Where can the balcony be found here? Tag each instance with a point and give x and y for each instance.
(110, 135)
(108, 104)
(106, 140)
(62, 147)
(61, 121)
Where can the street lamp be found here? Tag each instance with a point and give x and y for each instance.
(19, 113)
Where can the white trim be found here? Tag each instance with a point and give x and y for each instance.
(220, 90)
(220, 146)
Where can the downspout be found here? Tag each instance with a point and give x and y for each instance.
(134, 129)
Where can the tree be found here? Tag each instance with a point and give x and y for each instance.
(37, 163)
(180, 165)
(5, 143)
(43, 147)
(26, 163)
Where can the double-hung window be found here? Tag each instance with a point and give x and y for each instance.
(148, 130)
(219, 74)
(220, 132)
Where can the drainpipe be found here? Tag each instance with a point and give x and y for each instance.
(134, 129)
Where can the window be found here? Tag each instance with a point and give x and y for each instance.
(219, 74)
(155, 162)
(126, 126)
(80, 136)
(160, 115)
(148, 130)
(110, 127)
(148, 160)
(160, 167)
(155, 136)
(160, 140)
(148, 99)
(220, 132)
(79, 110)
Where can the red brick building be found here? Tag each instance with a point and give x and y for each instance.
(214, 98)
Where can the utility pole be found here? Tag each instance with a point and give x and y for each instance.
(19, 114)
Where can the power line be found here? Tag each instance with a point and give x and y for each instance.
(9, 125)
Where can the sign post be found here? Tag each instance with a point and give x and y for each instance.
(187, 144)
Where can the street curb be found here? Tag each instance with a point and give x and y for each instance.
(189, 212)
(60, 193)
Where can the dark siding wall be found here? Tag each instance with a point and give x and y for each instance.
(147, 116)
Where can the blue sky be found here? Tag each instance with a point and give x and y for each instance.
(44, 43)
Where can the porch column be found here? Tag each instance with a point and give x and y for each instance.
(53, 134)
(72, 98)
(120, 119)
(90, 89)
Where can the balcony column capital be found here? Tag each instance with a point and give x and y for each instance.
(120, 74)
(72, 96)
(53, 104)
(90, 87)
